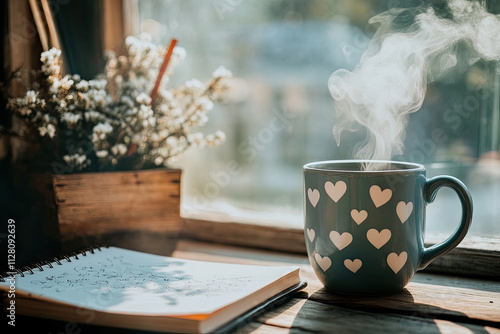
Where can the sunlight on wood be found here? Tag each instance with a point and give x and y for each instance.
(448, 327)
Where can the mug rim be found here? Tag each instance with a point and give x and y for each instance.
(316, 166)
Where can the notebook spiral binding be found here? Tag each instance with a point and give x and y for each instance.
(28, 269)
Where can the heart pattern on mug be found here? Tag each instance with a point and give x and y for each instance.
(380, 197)
(353, 265)
(359, 216)
(311, 234)
(323, 262)
(335, 191)
(341, 241)
(378, 239)
(313, 196)
(396, 262)
(404, 210)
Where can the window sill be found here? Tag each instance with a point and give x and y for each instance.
(428, 303)
(474, 257)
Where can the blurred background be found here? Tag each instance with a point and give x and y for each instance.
(280, 115)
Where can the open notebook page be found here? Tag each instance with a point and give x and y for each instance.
(124, 281)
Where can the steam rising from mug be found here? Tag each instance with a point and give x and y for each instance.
(391, 79)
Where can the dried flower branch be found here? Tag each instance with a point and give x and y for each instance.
(112, 122)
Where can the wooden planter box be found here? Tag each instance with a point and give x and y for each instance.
(134, 209)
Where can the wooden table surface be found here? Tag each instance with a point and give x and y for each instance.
(430, 303)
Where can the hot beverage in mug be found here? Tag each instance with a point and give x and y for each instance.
(364, 229)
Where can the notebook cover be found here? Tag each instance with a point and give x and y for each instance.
(272, 303)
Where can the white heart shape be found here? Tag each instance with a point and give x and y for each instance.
(340, 240)
(335, 191)
(396, 262)
(353, 265)
(380, 197)
(359, 216)
(313, 196)
(323, 262)
(404, 210)
(378, 239)
(311, 234)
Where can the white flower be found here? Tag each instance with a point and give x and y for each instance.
(50, 55)
(101, 154)
(215, 139)
(119, 79)
(179, 52)
(30, 96)
(166, 94)
(221, 136)
(196, 139)
(51, 130)
(82, 86)
(119, 149)
(222, 72)
(76, 160)
(103, 128)
(54, 88)
(145, 112)
(171, 141)
(163, 151)
(98, 84)
(194, 86)
(205, 103)
(163, 133)
(158, 161)
(71, 118)
(143, 98)
(116, 107)
(66, 83)
(92, 116)
(42, 130)
(176, 112)
(100, 131)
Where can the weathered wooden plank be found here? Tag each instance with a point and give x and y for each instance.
(83, 214)
(478, 257)
(90, 204)
(265, 237)
(115, 187)
(310, 316)
(259, 328)
(428, 295)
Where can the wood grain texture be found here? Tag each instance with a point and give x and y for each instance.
(431, 303)
(479, 257)
(98, 203)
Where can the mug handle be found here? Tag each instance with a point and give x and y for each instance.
(431, 188)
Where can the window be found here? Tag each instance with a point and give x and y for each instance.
(280, 115)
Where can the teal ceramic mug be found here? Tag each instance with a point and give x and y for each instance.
(364, 229)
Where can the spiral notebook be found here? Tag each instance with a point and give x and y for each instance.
(111, 286)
